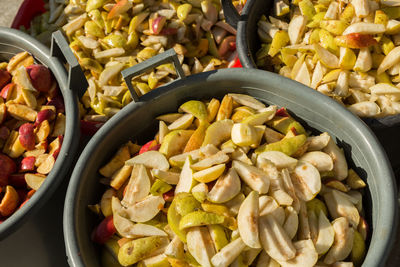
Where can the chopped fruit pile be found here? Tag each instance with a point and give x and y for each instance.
(346, 50)
(231, 183)
(32, 124)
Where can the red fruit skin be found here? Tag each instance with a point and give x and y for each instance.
(90, 128)
(359, 40)
(22, 194)
(58, 102)
(28, 164)
(26, 136)
(156, 24)
(46, 114)
(151, 145)
(282, 112)
(17, 180)
(168, 31)
(5, 78)
(104, 231)
(7, 90)
(40, 77)
(57, 151)
(169, 196)
(7, 165)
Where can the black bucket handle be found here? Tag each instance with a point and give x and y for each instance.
(60, 49)
(168, 56)
(230, 13)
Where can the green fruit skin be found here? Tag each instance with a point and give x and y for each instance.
(138, 249)
(173, 220)
(199, 218)
(108, 260)
(287, 145)
(159, 187)
(316, 205)
(358, 251)
(186, 203)
(283, 125)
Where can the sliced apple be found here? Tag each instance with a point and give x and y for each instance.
(200, 245)
(116, 162)
(228, 253)
(248, 220)
(226, 187)
(272, 136)
(291, 223)
(150, 159)
(196, 108)
(252, 176)
(218, 132)
(306, 180)
(186, 180)
(306, 256)
(218, 158)
(364, 28)
(280, 159)
(326, 234)
(274, 239)
(166, 176)
(182, 123)
(47, 165)
(209, 174)
(138, 186)
(34, 181)
(343, 241)
(320, 160)
(146, 209)
(340, 206)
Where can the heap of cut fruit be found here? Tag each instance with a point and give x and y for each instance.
(32, 125)
(346, 50)
(231, 183)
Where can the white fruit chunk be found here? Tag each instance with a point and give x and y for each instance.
(306, 180)
(343, 241)
(390, 60)
(296, 29)
(128, 229)
(339, 205)
(304, 227)
(166, 176)
(247, 220)
(150, 159)
(247, 100)
(326, 234)
(146, 209)
(234, 203)
(264, 260)
(215, 159)
(319, 142)
(320, 160)
(274, 239)
(200, 245)
(326, 57)
(186, 180)
(179, 160)
(218, 132)
(228, 253)
(306, 256)
(226, 187)
(365, 28)
(252, 176)
(289, 188)
(281, 160)
(138, 186)
(243, 134)
(182, 123)
(291, 223)
(175, 248)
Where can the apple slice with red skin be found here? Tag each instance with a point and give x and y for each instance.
(7, 90)
(7, 165)
(27, 197)
(90, 127)
(5, 78)
(55, 146)
(17, 180)
(27, 136)
(104, 231)
(151, 145)
(58, 102)
(40, 77)
(45, 114)
(357, 40)
(28, 164)
(42, 131)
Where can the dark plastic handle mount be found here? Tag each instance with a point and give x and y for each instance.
(60, 49)
(166, 57)
(230, 13)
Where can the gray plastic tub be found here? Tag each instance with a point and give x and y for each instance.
(318, 112)
(12, 42)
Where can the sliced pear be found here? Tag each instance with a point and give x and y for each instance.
(146, 209)
(175, 248)
(138, 186)
(105, 202)
(248, 101)
(173, 220)
(264, 260)
(286, 124)
(179, 160)
(218, 132)
(306, 180)
(240, 155)
(160, 260)
(126, 228)
(170, 117)
(225, 108)
(291, 223)
(390, 60)
(120, 177)
(358, 251)
(234, 203)
(274, 239)
(197, 137)
(343, 264)
(243, 134)
(209, 174)
(354, 180)
(288, 145)
(116, 162)
(174, 142)
(182, 123)
(252, 176)
(186, 180)
(200, 192)
(212, 109)
(196, 108)
(280, 159)
(199, 218)
(343, 241)
(162, 131)
(166, 176)
(260, 118)
(289, 188)
(200, 245)
(226, 187)
(283, 198)
(228, 253)
(320, 160)
(365, 28)
(326, 234)
(267, 204)
(215, 159)
(326, 57)
(296, 28)
(186, 203)
(272, 136)
(304, 228)
(150, 159)
(316, 206)
(248, 220)
(218, 235)
(319, 142)
(340, 206)
(306, 256)
(313, 223)
(339, 161)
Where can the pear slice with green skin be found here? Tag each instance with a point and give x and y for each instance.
(186, 180)
(160, 260)
(139, 249)
(197, 138)
(138, 186)
(175, 248)
(228, 253)
(252, 176)
(112, 246)
(159, 187)
(316, 206)
(226, 188)
(306, 256)
(288, 145)
(209, 174)
(166, 176)
(260, 118)
(200, 192)
(200, 218)
(248, 220)
(146, 209)
(358, 251)
(108, 260)
(218, 132)
(186, 203)
(150, 159)
(274, 239)
(128, 229)
(170, 117)
(196, 108)
(182, 123)
(280, 159)
(174, 218)
(215, 159)
(218, 236)
(306, 180)
(179, 160)
(174, 142)
(285, 124)
(326, 234)
(200, 245)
